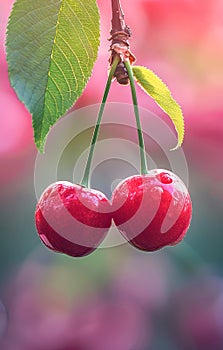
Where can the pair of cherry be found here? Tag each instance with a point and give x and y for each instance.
(151, 211)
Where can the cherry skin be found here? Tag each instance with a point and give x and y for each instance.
(72, 219)
(153, 210)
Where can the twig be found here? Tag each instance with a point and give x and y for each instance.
(120, 34)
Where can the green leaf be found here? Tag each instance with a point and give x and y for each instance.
(154, 87)
(51, 49)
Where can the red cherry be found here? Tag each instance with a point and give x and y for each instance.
(72, 219)
(152, 210)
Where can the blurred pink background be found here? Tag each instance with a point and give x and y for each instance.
(120, 298)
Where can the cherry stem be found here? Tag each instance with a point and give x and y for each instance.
(86, 178)
(143, 165)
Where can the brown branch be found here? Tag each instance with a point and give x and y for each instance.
(120, 34)
(118, 22)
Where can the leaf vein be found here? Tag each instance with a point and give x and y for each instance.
(92, 34)
(32, 11)
(64, 76)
